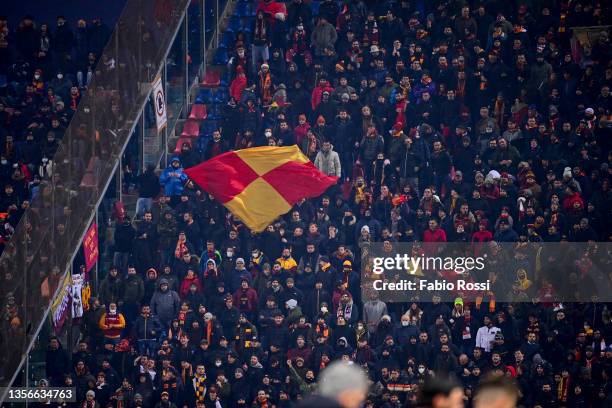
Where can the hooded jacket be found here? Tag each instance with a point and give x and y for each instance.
(173, 184)
(165, 305)
(328, 162)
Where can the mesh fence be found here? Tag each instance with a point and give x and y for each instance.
(36, 259)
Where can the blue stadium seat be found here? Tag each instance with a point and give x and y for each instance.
(221, 95)
(215, 112)
(242, 10)
(234, 24)
(221, 56)
(204, 96)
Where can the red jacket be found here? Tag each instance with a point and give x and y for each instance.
(112, 325)
(186, 283)
(317, 94)
(300, 132)
(434, 236)
(568, 202)
(237, 87)
(246, 300)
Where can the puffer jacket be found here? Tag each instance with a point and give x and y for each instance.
(165, 305)
(328, 162)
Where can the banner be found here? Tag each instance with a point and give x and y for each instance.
(90, 247)
(159, 102)
(59, 307)
(77, 296)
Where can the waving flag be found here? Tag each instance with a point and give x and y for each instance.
(261, 183)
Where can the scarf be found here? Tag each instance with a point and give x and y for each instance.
(461, 83)
(209, 328)
(265, 83)
(185, 373)
(200, 387)
(563, 389)
(465, 334)
(322, 328)
(345, 310)
(180, 250)
(182, 316)
(260, 29)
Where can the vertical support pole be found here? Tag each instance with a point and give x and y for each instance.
(217, 27)
(165, 140)
(96, 267)
(141, 142)
(120, 179)
(186, 59)
(203, 28)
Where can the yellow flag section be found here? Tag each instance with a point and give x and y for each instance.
(59, 306)
(261, 183)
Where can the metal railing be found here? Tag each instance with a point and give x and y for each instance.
(52, 228)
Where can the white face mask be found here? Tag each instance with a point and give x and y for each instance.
(421, 370)
(268, 134)
(36, 76)
(405, 323)
(60, 76)
(112, 310)
(230, 254)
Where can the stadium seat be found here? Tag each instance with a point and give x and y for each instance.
(234, 24)
(212, 79)
(221, 95)
(245, 10)
(209, 126)
(221, 56)
(204, 96)
(181, 142)
(215, 112)
(191, 128)
(198, 111)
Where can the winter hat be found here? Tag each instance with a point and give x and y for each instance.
(589, 111)
(365, 228)
(567, 172)
(292, 304)
(91, 393)
(459, 301)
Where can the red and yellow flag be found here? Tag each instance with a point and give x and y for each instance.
(261, 183)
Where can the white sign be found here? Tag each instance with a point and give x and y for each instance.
(159, 102)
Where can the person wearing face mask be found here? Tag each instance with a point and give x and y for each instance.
(405, 330)
(112, 323)
(239, 60)
(61, 85)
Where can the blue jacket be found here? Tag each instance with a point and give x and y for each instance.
(173, 185)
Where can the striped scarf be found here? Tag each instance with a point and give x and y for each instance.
(200, 387)
(563, 389)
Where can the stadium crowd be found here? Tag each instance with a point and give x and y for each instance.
(445, 121)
